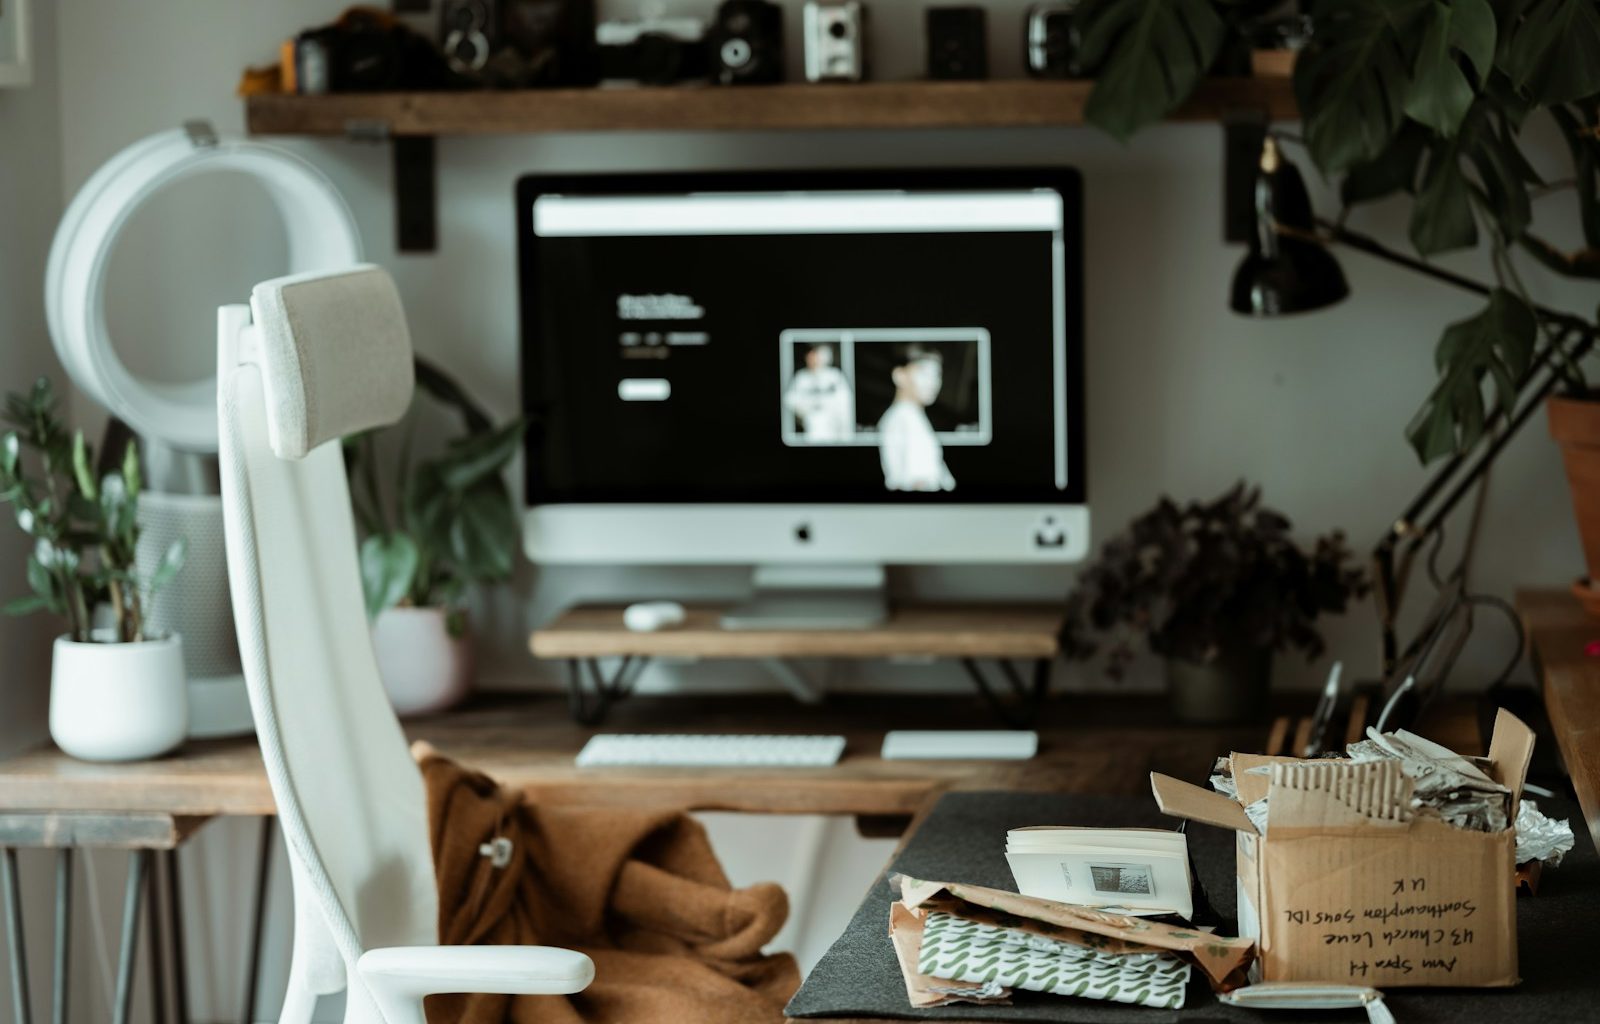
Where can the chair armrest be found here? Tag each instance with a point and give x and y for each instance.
(400, 976)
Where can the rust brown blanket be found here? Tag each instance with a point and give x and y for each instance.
(639, 891)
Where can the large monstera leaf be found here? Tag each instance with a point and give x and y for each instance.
(1353, 79)
(1550, 47)
(1440, 93)
(1148, 56)
(1497, 345)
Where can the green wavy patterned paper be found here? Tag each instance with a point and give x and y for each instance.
(960, 950)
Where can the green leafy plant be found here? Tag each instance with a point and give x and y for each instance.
(1206, 579)
(85, 529)
(1431, 99)
(444, 522)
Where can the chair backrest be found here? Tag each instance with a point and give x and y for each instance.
(322, 356)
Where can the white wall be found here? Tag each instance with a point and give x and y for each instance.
(30, 202)
(1183, 396)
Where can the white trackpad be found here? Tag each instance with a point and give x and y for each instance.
(960, 745)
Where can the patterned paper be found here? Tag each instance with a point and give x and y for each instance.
(958, 949)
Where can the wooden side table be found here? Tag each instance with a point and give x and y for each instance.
(1021, 642)
(1565, 644)
(153, 889)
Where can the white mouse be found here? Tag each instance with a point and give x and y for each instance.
(649, 616)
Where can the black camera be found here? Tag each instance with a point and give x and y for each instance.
(653, 51)
(746, 43)
(517, 44)
(1052, 46)
(365, 51)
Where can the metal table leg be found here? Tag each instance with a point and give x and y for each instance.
(589, 701)
(14, 936)
(158, 944)
(1016, 711)
(138, 871)
(258, 920)
(58, 1012)
(180, 968)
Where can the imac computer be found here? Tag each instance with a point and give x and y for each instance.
(814, 373)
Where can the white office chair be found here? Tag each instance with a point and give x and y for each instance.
(326, 355)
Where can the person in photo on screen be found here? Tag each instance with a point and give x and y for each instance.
(819, 396)
(913, 458)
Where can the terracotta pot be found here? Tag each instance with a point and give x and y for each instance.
(1234, 688)
(1575, 424)
(424, 667)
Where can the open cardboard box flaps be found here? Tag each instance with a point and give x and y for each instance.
(1346, 886)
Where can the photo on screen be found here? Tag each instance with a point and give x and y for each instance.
(822, 370)
(819, 402)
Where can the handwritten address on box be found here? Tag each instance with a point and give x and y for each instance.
(1410, 932)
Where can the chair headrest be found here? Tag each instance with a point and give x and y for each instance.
(335, 355)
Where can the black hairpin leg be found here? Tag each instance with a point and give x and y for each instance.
(180, 973)
(158, 944)
(14, 937)
(590, 694)
(258, 919)
(58, 1012)
(1018, 707)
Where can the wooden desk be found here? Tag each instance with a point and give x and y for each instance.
(1000, 634)
(1101, 744)
(1559, 636)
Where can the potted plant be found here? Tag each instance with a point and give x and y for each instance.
(1434, 101)
(117, 693)
(442, 524)
(1215, 588)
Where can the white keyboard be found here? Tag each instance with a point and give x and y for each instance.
(737, 751)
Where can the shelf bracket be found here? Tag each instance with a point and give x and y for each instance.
(416, 193)
(1243, 132)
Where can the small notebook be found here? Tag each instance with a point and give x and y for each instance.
(1138, 871)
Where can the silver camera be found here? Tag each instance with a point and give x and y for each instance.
(835, 38)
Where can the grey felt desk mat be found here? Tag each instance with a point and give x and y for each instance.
(963, 840)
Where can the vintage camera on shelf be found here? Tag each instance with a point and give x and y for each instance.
(365, 50)
(518, 44)
(1052, 45)
(746, 43)
(836, 40)
(653, 51)
(958, 43)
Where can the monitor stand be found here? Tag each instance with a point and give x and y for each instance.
(813, 597)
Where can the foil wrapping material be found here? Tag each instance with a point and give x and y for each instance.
(1445, 785)
(1541, 837)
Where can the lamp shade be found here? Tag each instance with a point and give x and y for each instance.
(1287, 270)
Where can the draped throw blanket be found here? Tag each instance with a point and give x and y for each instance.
(640, 891)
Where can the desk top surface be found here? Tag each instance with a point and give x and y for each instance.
(1105, 744)
(926, 631)
(962, 838)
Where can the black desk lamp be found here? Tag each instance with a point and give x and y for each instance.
(1290, 270)
(1284, 272)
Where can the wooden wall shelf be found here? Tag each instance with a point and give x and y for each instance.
(1001, 103)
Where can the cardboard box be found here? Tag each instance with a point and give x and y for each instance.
(1343, 886)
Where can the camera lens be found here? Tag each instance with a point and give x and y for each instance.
(838, 30)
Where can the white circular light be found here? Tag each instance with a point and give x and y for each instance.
(320, 230)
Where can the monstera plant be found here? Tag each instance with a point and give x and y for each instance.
(1434, 100)
(439, 525)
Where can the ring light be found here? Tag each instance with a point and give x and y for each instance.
(321, 235)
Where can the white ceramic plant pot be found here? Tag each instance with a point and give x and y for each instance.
(118, 701)
(423, 667)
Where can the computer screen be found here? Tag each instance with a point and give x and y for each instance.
(803, 338)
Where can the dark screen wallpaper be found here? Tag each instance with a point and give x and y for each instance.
(704, 314)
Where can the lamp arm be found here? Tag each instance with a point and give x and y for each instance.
(1422, 517)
